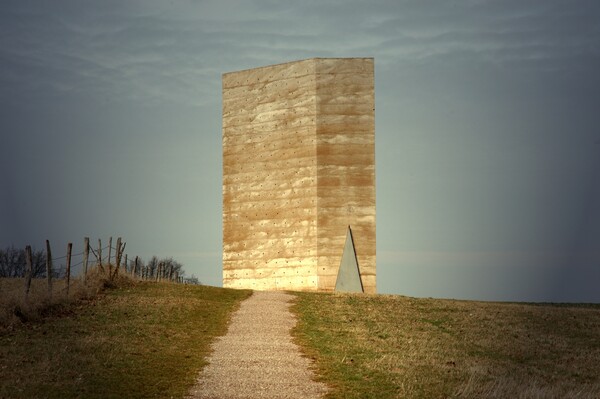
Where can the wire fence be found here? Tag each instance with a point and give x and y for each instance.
(110, 260)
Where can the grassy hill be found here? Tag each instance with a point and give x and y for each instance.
(393, 346)
(148, 340)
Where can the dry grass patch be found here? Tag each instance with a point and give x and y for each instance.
(145, 340)
(392, 346)
(16, 308)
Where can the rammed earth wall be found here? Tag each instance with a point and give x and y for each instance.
(298, 169)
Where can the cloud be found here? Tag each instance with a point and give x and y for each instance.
(156, 53)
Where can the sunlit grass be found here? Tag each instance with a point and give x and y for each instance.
(392, 346)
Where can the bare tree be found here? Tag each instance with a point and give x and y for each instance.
(13, 263)
(172, 267)
(39, 264)
(152, 266)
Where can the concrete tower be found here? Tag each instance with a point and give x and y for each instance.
(298, 170)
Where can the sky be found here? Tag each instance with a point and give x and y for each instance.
(487, 131)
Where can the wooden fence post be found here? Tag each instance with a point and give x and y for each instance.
(69, 248)
(118, 255)
(125, 264)
(86, 254)
(135, 266)
(49, 268)
(120, 250)
(109, 252)
(29, 271)
(100, 256)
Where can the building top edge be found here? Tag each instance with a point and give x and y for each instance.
(296, 61)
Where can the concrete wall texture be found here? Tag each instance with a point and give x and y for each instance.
(298, 169)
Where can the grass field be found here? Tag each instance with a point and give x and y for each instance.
(146, 340)
(392, 346)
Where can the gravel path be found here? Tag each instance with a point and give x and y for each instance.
(257, 358)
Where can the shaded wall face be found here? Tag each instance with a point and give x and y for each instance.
(345, 166)
(298, 168)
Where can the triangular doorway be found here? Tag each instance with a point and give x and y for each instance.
(348, 278)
